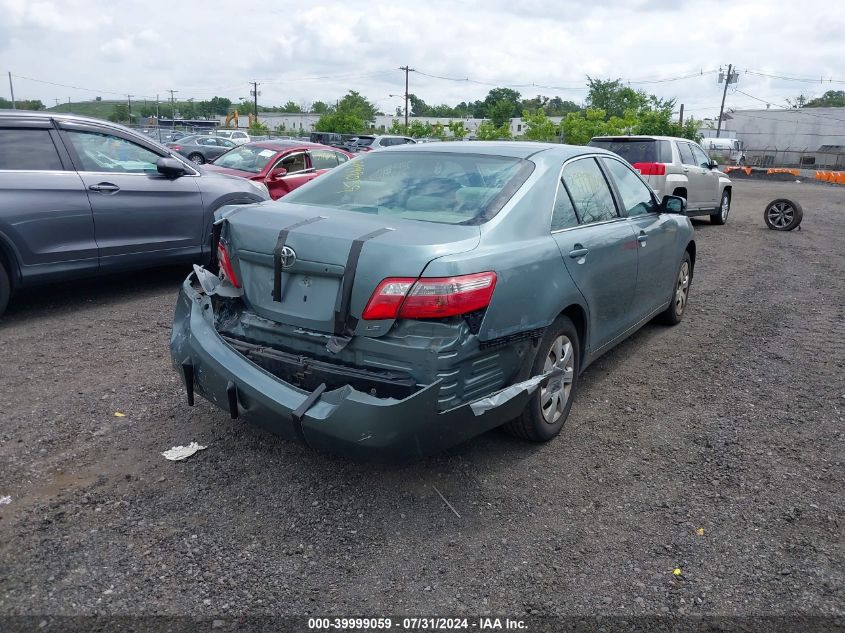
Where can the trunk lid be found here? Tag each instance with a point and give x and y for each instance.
(311, 293)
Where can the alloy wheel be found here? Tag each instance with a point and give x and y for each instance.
(555, 395)
(781, 214)
(726, 207)
(682, 289)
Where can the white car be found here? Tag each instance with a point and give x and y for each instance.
(236, 136)
(678, 167)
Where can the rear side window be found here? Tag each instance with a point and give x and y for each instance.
(637, 150)
(323, 159)
(563, 215)
(686, 154)
(590, 191)
(636, 196)
(28, 150)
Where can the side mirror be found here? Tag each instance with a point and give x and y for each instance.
(277, 174)
(170, 167)
(673, 204)
(713, 164)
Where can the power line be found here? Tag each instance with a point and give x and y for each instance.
(53, 83)
(816, 80)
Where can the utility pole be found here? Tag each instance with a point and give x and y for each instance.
(68, 105)
(12, 90)
(255, 99)
(681, 118)
(724, 94)
(129, 102)
(172, 108)
(407, 70)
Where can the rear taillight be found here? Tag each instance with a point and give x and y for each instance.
(226, 264)
(651, 169)
(176, 147)
(430, 297)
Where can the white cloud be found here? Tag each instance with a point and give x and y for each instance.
(213, 49)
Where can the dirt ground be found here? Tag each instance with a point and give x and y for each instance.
(714, 448)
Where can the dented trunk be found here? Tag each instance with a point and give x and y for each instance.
(316, 268)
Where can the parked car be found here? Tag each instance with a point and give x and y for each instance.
(417, 296)
(201, 149)
(281, 165)
(331, 139)
(676, 166)
(236, 136)
(80, 196)
(370, 143)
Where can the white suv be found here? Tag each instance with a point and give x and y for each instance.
(237, 137)
(676, 166)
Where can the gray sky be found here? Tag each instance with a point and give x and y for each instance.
(318, 50)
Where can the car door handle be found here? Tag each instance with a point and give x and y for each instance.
(642, 238)
(578, 252)
(105, 187)
(686, 171)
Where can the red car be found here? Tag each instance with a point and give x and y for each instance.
(281, 165)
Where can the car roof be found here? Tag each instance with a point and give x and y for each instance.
(514, 149)
(283, 145)
(645, 137)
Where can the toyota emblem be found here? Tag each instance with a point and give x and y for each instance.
(288, 257)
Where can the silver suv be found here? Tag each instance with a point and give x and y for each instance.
(368, 143)
(676, 166)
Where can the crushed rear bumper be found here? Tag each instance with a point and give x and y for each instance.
(342, 420)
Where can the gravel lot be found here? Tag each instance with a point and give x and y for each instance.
(715, 447)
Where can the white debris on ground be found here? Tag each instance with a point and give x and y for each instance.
(178, 453)
(4, 501)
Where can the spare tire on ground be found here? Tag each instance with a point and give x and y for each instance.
(783, 214)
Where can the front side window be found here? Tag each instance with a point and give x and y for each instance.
(341, 158)
(590, 192)
(700, 157)
(636, 196)
(563, 215)
(323, 159)
(445, 187)
(293, 163)
(28, 150)
(107, 153)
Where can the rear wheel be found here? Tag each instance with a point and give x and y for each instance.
(783, 214)
(721, 215)
(549, 407)
(5, 288)
(680, 295)
(197, 158)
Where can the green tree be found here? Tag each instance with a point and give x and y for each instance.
(538, 127)
(500, 113)
(488, 131)
(830, 99)
(417, 129)
(418, 106)
(320, 107)
(494, 99)
(579, 127)
(119, 113)
(614, 98)
(457, 129)
(559, 107)
(290, 106)
(340, 122)
(357, 106)
(22, 104)
(397, 128)
(258, 128)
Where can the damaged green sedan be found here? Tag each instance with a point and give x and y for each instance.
(417, 296)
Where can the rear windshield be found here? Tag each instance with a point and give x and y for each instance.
(246, 158)
(637, 150)
(430, 186)
(364, 141)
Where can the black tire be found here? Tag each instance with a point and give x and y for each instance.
(783, 214)
(5, 289)
(680, 293)
(533, 424)
(721, 215)
(199, 159)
